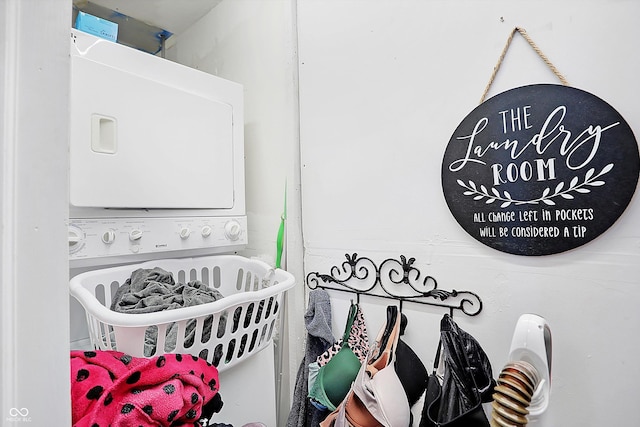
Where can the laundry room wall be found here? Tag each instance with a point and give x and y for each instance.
(383, 85)
(34, 360)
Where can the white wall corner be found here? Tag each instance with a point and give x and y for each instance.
(34, 298)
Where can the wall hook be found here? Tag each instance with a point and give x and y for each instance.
(396, 279)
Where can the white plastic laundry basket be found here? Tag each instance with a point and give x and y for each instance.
(227, 331)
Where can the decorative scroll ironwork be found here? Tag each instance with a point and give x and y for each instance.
(398, 280)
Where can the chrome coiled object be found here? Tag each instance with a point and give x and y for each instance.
(515, 388)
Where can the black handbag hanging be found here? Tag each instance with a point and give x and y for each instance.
(467, 382)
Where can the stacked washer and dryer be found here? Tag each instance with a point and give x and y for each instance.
(156, 173)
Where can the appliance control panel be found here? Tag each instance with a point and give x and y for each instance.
(96, 238)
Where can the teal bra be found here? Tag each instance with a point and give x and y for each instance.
(334, 379)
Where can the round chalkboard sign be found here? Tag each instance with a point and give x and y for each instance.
(540, 169)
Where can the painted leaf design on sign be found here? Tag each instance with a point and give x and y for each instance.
(590, 179)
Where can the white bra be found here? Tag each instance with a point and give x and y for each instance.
(377, 397)
(379, 388)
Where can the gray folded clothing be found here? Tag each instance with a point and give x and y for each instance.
(152, 290)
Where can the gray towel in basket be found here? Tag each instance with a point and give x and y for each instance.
(151, 290)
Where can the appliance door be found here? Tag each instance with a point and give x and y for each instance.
(147, 132)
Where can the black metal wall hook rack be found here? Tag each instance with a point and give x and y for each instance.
(397, 279)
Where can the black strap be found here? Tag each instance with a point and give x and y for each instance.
(392, 315)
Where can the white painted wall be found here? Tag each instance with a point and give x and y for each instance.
(383, 85)
(34, 304)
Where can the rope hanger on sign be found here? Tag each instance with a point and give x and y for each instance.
(535, 47)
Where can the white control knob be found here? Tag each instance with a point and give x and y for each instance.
(206, 231)
(76, 239)
(135, 235)
(232, 230)
(185, 232)
(108, 236)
